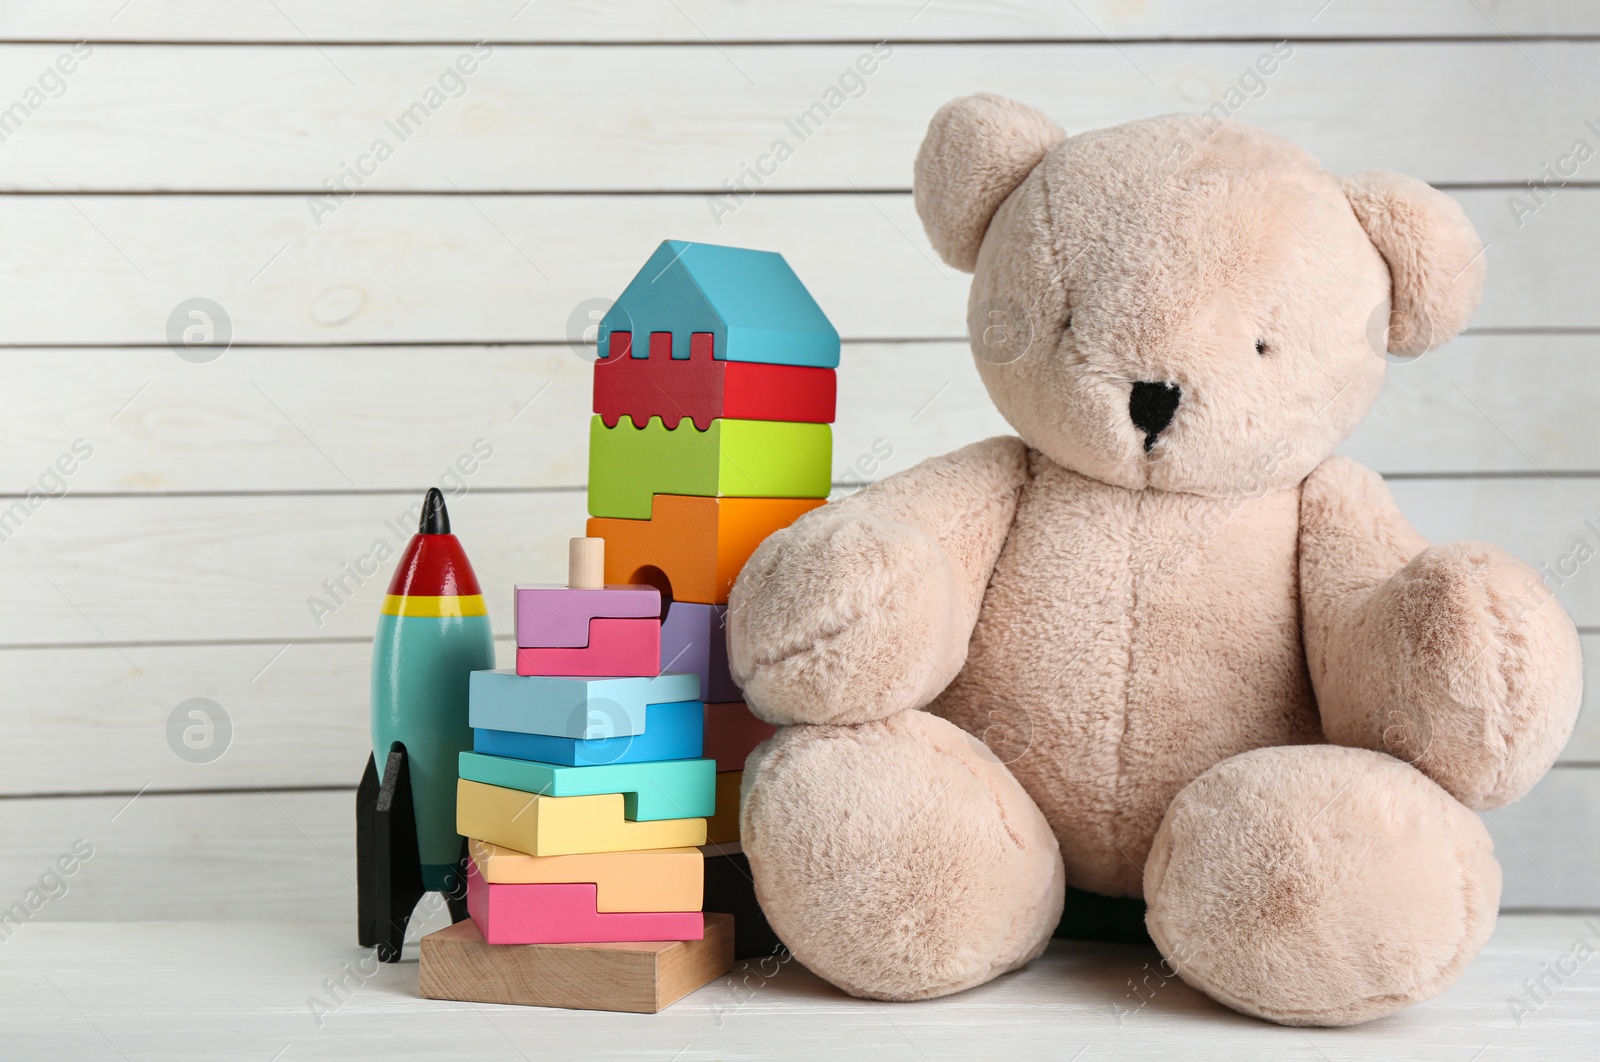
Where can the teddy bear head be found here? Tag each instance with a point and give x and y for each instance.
(1182, 304)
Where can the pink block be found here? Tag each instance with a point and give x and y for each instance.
(565, 914)
(731, 733)
(558, 616)
(618, 648)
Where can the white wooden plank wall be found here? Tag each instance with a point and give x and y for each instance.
(380, 337)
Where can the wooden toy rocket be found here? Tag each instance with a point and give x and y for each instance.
(433, 632)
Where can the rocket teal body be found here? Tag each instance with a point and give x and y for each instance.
(433, 632)
(420, 666)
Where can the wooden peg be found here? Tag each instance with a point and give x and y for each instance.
(586, 563)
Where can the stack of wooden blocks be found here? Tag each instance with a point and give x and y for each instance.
(583, 801)
(617, 745)
(712, 404)
(584, 798)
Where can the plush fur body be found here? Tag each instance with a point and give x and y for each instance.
(1113, 598)
(1162, 644)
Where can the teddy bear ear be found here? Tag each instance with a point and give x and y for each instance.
(1435, 258)
(977, 151)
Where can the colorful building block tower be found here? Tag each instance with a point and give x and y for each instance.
(713, 401)
(585, 796)
(601, 796)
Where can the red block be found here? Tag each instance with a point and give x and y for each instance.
(702, 388)
(565, 914)
(618, 648)
(731, 733)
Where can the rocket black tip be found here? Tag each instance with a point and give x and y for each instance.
(435, 517)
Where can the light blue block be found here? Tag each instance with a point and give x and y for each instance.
(750, 301)
(580, 708)
(673, 732)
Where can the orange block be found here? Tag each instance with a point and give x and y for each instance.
(723, 827)
(698, 544)
(656, 879)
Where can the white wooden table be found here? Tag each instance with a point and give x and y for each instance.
(88, 991)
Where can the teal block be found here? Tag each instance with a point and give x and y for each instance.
(751, 302)
(659, 789)
(583, 708)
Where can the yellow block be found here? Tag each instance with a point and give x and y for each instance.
(660, 879)
(546, 825)
(723, 827)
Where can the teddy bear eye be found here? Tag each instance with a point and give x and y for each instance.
(1261, 347)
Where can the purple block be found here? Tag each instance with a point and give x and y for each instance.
(557, 617)
(695, 639)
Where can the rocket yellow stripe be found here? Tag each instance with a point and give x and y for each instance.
(451, 605)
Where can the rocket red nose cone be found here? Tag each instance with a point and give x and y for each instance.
(434, 565)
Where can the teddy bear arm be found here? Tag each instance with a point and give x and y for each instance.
(1455, 658)
(864, 607)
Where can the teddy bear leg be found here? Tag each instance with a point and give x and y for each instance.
(1319, 885)
(898, 859)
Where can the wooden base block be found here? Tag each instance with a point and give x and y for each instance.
(697, 544)
(640, 978)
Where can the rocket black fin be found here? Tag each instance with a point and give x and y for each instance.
(388, 866)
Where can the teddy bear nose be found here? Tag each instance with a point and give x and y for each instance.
(1151, 405)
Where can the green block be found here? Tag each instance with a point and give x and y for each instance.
(651, 790)
(731, 459)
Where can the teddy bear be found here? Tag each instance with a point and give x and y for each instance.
(1161, 643)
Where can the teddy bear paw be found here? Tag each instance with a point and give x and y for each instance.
(898, 859)
(1481, 674)
(1319, 885)
(842, 618)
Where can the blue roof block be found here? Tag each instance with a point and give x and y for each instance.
(751, 301)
